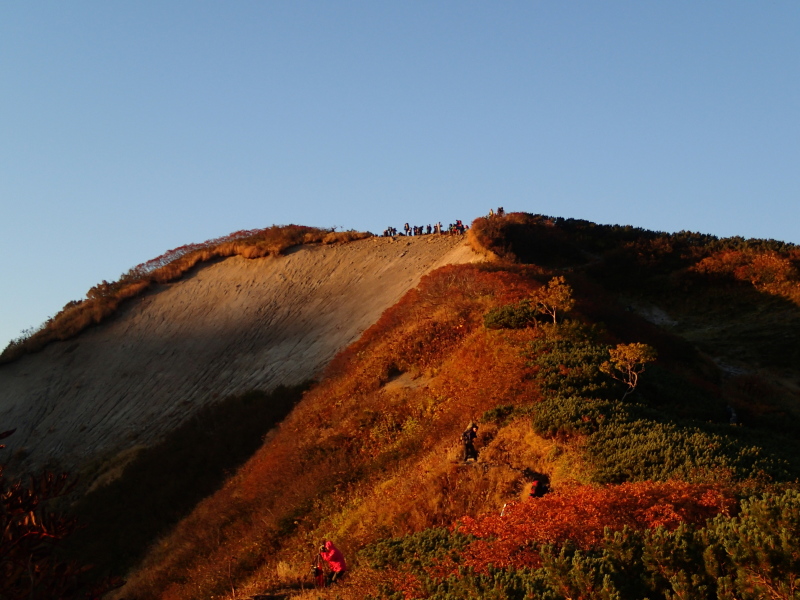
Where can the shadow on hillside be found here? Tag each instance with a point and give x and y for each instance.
(719, 315)
(164, 482)
(543, 245)
(741, 323)
(714, 322)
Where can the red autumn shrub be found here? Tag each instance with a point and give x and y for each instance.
(581, 513)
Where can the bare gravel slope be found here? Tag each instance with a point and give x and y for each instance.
(228, 327)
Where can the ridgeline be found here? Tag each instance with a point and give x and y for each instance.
(637, 395)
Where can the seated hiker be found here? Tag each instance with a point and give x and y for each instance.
(468, 437)
(333, 556)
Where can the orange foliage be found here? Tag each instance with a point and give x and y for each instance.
(366, 455)
(489, 371)
(769, 272)
(581, 513)
(429, 320)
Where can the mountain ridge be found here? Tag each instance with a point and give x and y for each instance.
(370, 456)
(539, 346)
(251, 323)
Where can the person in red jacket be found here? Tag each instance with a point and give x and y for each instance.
(333, 556)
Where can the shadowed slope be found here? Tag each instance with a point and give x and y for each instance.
(228, 327)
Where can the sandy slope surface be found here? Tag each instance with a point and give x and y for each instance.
(228, 327)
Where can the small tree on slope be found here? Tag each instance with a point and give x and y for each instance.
(554, 298)
(627, 363)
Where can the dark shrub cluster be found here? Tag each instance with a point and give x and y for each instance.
(636, 440)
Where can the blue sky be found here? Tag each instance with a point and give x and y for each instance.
(127, 129)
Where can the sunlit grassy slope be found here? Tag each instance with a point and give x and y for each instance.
(104, 299)
(370, 457)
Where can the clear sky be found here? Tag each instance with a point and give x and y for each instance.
(129, 128)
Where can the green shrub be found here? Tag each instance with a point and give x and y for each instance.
(565, 417)
(495, 584)
(636, 441)
(511, 316)
(631, 449)
(568, 360)
(757, 552)
(416, 550)
(633, 442)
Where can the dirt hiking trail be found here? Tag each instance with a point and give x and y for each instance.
(227, 327)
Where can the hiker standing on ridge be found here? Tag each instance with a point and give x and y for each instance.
(335, 559)
(468, 437)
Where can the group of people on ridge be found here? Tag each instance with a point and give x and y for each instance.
(454, 228)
